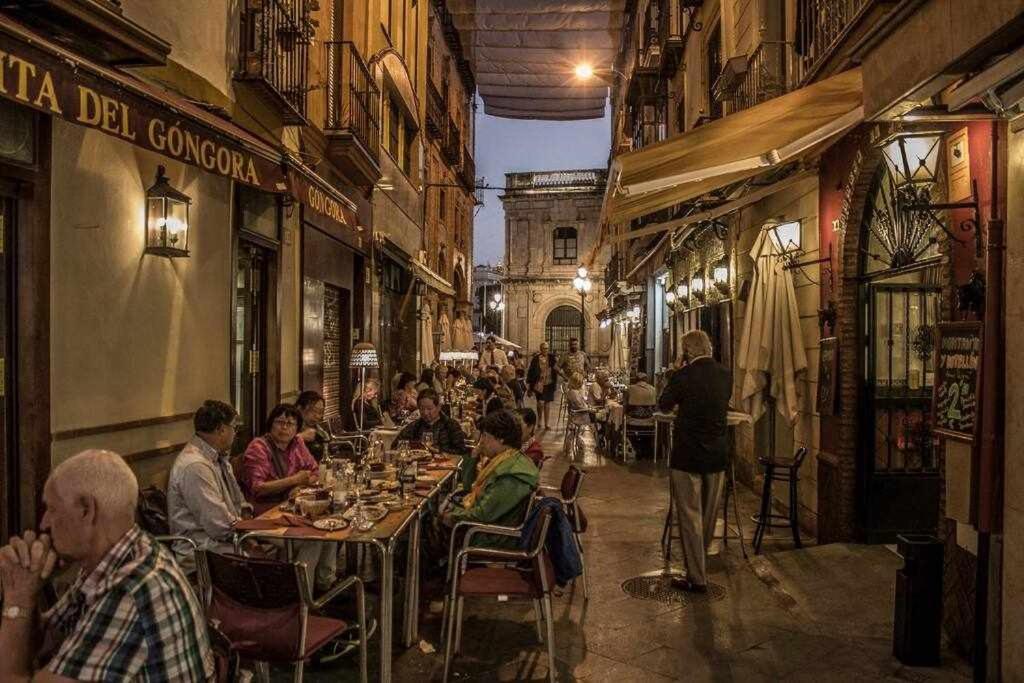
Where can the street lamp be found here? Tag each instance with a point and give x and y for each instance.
(497, 305)
(582, 284)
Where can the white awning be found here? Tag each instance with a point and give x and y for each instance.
(733, 148)
(432, 279)
(523, 54)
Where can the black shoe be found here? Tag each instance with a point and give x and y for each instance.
(688, 586)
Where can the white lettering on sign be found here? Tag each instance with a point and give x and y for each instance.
(321, 202)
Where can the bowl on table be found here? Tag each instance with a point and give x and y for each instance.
(310, 506)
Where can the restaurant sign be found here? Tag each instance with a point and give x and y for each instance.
(957, 369)
(113, 104)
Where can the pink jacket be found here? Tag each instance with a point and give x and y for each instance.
(258, 465)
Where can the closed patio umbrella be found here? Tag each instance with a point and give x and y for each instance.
(771, 345)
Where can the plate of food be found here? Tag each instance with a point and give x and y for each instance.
(373, 512)
(330, 524)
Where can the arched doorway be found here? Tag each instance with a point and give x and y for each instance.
(459, 284)
(562, 324)
(901, 273)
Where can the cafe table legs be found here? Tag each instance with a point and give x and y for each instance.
(387, 557)
(412, 583)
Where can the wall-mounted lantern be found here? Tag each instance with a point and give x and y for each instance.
(682, 292)
(697, 286)
(786, 236)
(720, 274)
(166, 218)
(912, 157)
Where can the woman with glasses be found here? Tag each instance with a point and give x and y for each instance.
(276, 464)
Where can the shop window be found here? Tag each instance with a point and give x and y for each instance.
(565, 246)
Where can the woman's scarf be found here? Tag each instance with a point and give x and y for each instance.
(484, 475)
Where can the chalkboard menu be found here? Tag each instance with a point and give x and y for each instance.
(957, 367)
(828, 376)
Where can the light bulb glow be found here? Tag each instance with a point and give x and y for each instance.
(584, 71)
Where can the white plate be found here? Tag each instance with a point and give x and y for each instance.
(330, 524)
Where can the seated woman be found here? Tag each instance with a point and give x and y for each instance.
(499, 488)
(311, 406)
(531, 444)
(275, 465)
(579, 409)
(366, 412)
(600, 389)
(403, 400)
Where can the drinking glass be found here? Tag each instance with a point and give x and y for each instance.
(428, 440)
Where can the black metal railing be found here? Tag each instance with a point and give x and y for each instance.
(452, 145)
(650, 121)
(276, 35)
(436, 112)
(767, 76)
(468, 172)
(822, 25)
(353, 99)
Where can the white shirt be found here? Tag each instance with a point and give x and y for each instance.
(494, 357)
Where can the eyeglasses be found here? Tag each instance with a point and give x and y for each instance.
(283, 422)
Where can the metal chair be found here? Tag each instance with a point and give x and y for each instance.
(263, 607)
(781, 470)
(636, 426)
(578, 422)
(569, 493)
(530, 579)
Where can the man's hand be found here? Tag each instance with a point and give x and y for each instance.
(303, 478)
(25, 564)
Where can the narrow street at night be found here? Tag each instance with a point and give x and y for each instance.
(511, 340)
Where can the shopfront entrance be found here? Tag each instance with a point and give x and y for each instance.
(562, 324)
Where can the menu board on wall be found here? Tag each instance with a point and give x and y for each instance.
(957, 368)
(828, 376)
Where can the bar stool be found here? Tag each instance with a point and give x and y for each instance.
(780, 470)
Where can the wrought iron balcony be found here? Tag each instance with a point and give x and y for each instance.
(468, 172)
(436, 112)
(353, 110)
(276, 35)
(766, 76)
(451, 148)
(826, 23)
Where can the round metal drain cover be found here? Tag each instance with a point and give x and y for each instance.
(659, 587)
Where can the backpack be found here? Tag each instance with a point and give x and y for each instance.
(151, 512)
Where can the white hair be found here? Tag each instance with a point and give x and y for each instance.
(101, 475)
(696, 343)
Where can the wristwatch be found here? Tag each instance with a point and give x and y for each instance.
(15, 612)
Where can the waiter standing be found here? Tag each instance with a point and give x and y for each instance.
(492, 355)
(700, 451)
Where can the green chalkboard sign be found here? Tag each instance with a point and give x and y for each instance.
(957, 368)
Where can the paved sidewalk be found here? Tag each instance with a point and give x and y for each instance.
(817, 614)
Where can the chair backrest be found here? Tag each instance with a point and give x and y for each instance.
(539, 532)
(254, 582)
(798, 457)
(572, 481)
(151, 511)
(258, 604)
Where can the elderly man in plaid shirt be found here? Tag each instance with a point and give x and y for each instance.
(130, 614)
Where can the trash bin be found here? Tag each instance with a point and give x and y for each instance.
(917, 623)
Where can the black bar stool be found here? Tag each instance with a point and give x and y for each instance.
(780, 470)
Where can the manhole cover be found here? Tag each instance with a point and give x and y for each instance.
(659, 587)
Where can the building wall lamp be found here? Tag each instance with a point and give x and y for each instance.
(913, 162)
(166, 218)
(720, 275)
(787, 237)
(697, 286)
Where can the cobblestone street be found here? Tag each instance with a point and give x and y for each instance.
(821, 613)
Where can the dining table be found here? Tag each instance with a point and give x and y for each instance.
(436, 477)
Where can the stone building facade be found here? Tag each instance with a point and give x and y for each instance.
(552, 223)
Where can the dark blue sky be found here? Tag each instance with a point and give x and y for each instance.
(508, 145)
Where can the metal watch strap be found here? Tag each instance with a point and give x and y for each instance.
(15, 612)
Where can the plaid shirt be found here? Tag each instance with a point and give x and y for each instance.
(133, 617)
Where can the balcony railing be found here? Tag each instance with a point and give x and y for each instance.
(650, 121)
(436, 112)
(766, 76)
(468, 172)
(276, 35)
(452, 145)
(353, 99)
(824, 25)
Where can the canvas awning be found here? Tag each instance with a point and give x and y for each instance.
(733, 148)
(432, 279)
(523, 54)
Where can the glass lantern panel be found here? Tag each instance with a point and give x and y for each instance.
(156, 220)
(923, 157)
(177, 224)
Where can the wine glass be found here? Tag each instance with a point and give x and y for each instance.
(428, 440)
